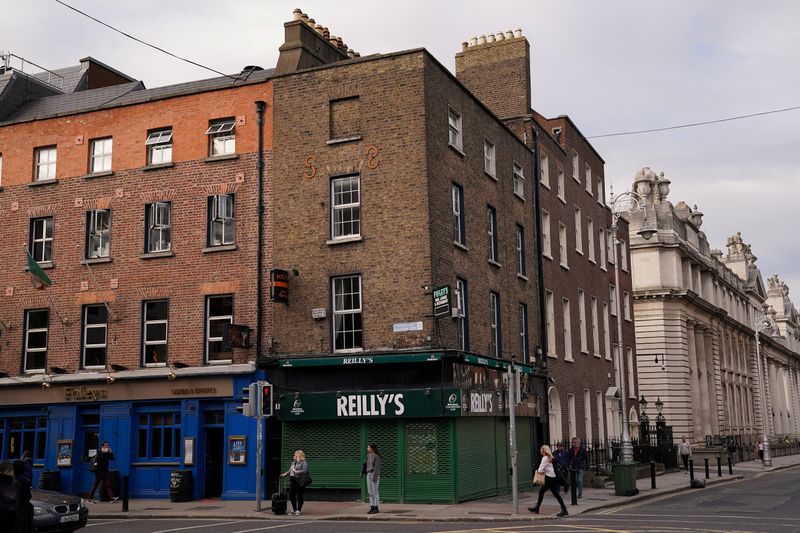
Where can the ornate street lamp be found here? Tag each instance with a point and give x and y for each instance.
(763, 324)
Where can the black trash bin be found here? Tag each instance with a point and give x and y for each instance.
(50, 480)
(113, 478)
(180, 486)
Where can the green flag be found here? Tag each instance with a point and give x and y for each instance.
(38, 278)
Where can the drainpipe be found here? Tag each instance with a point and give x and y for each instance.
(537, 213)
(260, 107)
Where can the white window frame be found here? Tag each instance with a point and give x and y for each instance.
(595, 328)
(98, 235)
(491, 231)
(601, 427)
(612, 298)
(28, 349)
(600, 191)
(547, 250)
(590, 235)
(46, 157)
(519, 180)
(562, 245)
(550, 323)
(601, 244)
(520, 247)
(587, 170)
(156, 225)
(582, 321)
(102, 150)
(340, 312)
(578, 231)
(607, 331)
(630, 371)
(1, 169)
(626, 303)
(221, 137)
(571, 416)
(560, 186)
(222, 215)
(566, 314)
(609, 247)
(40, 235)
(95, 326)
(159, 147)
(462, 305)
(341, 208)
(459, 217)
(216, 318)
(147, 323)
(495, 346)
(489, 159)
(455, 124)
(544, 169)
(623, 255)
(523, 332)
(576, 165)
(587, 416)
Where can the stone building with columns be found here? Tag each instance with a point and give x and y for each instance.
(696, 310)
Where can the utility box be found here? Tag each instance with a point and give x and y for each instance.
(625, 479)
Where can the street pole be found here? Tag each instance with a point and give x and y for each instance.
(627, 449)
(767, 461)
(259, 447)
(512, 435)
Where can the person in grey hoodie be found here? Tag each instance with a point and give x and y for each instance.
(373, 476)
(298, 474)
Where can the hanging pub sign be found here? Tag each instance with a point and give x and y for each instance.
(441, 301)
(236, 336)
(279, 286)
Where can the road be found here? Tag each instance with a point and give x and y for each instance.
(766, 503)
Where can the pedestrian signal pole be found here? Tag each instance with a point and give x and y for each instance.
(513, 398)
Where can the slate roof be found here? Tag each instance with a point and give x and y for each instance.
(122, 95)
(71, 77)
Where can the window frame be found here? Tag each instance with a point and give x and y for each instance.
(563, 247)
(489, 158)
(626, 305)
(524, 346)
(566, 322)
(462, 321)
(582, 321)
(336, 313)
(491, 230)
(587, 171)
(576, 165)
(455, 125)
(223, 129)
(102, 235)
(26, 350)
(150, 430)
(49, 165)
(104, 157)
(152, 211)
(159, 141)
(520, 248)
(519, 180)
(578, 230)
(1, 170)
(590, 236)
(547, 247)
(550, 323)
(215, 219)
(46, 242)
(85, 327)
(459, 216)
(146, 344)
(544, 169)
(602, 246)
(595, 328)
(354, 208)
(495, 336)
(221, 318)
(561, 190)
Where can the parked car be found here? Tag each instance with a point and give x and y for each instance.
(54, 511)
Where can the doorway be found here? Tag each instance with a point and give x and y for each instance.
(214, 461)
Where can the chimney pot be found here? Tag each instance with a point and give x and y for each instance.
(358, 55)
(350, 53)
(518, 33)
(339, 42)
(500, 36)
(304, 18)
(482, 39)
(318, 28)
(297, 14)
(326, 33)
(490, 38)
(464, 46)
(509, 34)
(473, 41)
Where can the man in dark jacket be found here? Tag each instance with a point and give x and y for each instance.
(27, 462)
(579, 462)
(562, 457)
(104, 455)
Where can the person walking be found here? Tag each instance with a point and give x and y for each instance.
(562, 458)
(578, 461)
(373, 477)
(298, 478)
(27, 461)
(550, 481)
(760, 450)
(9, 497)
(24, 522)
(685, 449)
(100, 464)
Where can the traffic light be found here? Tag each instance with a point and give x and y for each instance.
(249, 405)
(266, 398)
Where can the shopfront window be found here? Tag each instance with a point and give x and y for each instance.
(159, 436)
(20, 434)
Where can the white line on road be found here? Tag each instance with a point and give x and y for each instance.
(127, 520)
(291, 524)
(200, 526)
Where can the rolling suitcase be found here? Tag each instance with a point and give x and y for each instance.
(279, 499)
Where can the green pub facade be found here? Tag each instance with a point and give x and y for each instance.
(439, 419)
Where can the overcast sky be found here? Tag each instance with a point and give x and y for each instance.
(610, 65)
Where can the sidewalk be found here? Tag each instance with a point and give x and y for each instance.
(490, 509)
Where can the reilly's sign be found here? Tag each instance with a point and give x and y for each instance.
(412, 403)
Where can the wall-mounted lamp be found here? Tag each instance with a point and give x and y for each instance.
(550, 380)
(663, 360)
(45, 382)
(110, 379)
(171, 375)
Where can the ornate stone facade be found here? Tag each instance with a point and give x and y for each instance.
(695, 312)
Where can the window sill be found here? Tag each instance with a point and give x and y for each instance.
(565, 267)
(585, 352)
(552, 355)
(350, 350)
(344, 240)
(92, 175)
(342, 140)
(44, 265)
(95, 260)
(158, 166)
(599, 356)
(456, 149)
(156, 255)
(523, 277)
(492, 176)
(459, 245)
(547, 256)
(41, 183)
(218, 362)
(155, 365)
(220, 248)
(592, 260)
(519, 196)
(578, 251)
(569, 360)
(563, 199)
(545, 184)
(223, 157)
(495, 263)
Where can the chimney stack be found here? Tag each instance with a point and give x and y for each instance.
(497, 69)
(309, 44)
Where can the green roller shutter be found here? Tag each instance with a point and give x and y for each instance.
(333, 450)
(524, 444)
(386, 436)
(502, 455)
(428, 469)
(475, 458)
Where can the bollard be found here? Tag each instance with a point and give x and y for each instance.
(691, 470)
(730, 465)
(719, 466)
(125, 486)
(705, 460)
(652, 474)
(573, 482)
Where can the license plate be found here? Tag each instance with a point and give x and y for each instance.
(70, 518)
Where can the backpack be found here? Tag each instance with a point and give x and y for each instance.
(9, 497)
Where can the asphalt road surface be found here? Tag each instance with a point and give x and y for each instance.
(767, 503)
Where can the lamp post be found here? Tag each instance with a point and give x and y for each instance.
(630, 202)
(763, 323)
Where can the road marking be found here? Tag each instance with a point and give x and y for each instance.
(290, 524)
(712, 517)
(127, 520)
(200, 526)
